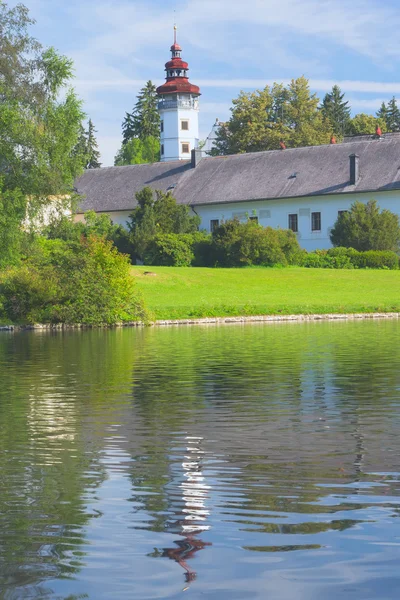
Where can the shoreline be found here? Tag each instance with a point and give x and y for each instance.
(211, 321)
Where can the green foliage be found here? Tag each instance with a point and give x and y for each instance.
(144, 121)
(65, 228)
(392, 115)
(236, 244)
(169, 249)
(365, 227)
(138, 151)
(179, 249)
(262, 118)
(157, 215)
(363, 124)
(92, 147)
(86, 282)
(38, 130)
(349, 258)
(336, 110)
(12, 213)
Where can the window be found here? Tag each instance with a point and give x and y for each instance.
(341, 212)
(255, 219)
(185, 125)
(162, 126)
(316, 221)
(162, 148)
(185, 148)
(293, 223)
(214, 223)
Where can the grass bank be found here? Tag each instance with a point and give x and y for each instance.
(181, 293)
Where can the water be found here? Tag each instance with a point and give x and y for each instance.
(235, 462)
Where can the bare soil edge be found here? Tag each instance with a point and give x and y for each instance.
(213, 321)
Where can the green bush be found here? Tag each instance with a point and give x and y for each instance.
(236, 244)
(365, 227)
(86, 282)
(169, 250)
(376, 259)
(349, 258)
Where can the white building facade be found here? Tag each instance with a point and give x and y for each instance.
(179, 110)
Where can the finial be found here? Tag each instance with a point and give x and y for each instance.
(175, 30)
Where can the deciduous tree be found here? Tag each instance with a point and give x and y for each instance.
(365, 227)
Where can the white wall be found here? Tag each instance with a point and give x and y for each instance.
(274, 213)
(173, 136)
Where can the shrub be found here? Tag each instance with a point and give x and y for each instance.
(376, 259)
(236, 244)
(364, 227)
(86, 282)
(348, 258)
(169, 249)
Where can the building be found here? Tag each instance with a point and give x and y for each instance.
(303, 189)
(179, 109)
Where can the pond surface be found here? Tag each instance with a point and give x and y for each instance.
(234, 462)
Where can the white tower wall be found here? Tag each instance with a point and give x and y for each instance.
(173, 112)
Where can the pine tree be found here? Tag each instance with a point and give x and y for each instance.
(393, 116)
(92, 148)
(128, 131)
(337, 110)
(80, 150)
(382, 112)
(145, 116)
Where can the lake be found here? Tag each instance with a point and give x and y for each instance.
(233, 462)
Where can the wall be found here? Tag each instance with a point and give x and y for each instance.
(173, 136)
(274, 213)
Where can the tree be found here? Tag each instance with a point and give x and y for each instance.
(156, 215)
(382, 112)
(137, 151)
(392, 116)
(144, 121)
(365, 227)
(262, 118)
(363, 124)
(92, 148)
(337, 110)
(38, 130)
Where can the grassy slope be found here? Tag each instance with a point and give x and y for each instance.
(195, 292)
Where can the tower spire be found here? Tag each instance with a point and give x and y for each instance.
(175, 30)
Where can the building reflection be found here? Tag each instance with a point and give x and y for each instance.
(193, 520)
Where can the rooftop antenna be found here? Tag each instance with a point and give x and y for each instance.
(175, 27)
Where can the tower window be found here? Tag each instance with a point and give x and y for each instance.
(293, 223)
(185, 148)
(162, 126)
(162, 149)
(185, 125)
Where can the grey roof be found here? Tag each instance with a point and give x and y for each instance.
(114, 188)
(315, 170)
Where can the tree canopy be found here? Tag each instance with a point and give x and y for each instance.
(336, 110)
(365, 227)
(261, 119)
(38, 130)
(158, 214)
(141, 130)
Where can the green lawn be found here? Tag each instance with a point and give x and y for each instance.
(180, 292)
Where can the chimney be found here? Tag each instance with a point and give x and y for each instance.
(354, 169)
(197, 155)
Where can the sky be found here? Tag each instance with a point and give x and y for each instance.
(118, 45)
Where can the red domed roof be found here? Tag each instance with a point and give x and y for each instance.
(178, 83)
(175, 85)
(176, 63)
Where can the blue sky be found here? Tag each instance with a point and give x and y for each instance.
(230, 45)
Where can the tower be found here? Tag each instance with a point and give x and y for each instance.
(179, 109)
